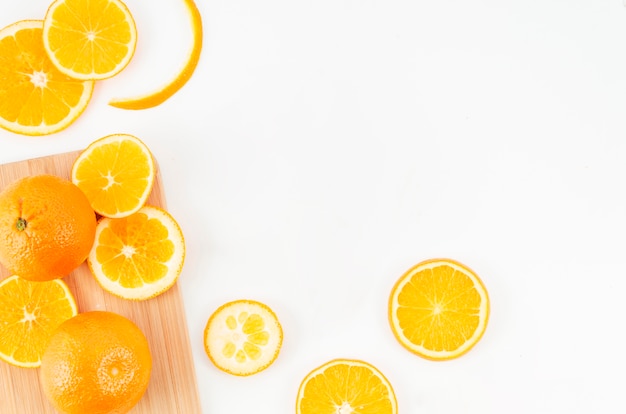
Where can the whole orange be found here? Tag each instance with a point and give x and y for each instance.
(97, 362)
(47, 227)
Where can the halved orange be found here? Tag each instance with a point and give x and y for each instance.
(116, 173)
(139, 256)
(344, 386)
(439, 309)
(31, 311)
(159, 96)
(243, 337)
(89, 40)
(35, 97)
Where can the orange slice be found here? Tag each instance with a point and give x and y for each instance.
(243, 337)
(161, 95)
(35, 98)
(89, 39)
(140, 256)
(439, 309)
(346, 386)
(116, 173)
(31, 311)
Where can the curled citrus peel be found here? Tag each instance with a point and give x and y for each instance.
(153, 99)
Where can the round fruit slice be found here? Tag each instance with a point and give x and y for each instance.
(439, 309)
(161, 95)
(116, 173)
(243, 337)
(346, 386)
(31, 311)
(89, 40)
(140, 256)
(35, 98)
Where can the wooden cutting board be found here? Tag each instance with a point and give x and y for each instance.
(173, 388)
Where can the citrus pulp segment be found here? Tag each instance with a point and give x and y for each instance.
(439, 309)
(35, 97)
(139, 256)
(31, 311)
(89, 40)
(161, 95)
(243, 337)
(346, 386)
(116, 173)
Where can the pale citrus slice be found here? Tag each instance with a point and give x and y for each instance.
(140, 256)
(116, 173)
(89, 39)
(159, 96)
(344, 386)
(439, 309)
(243, 337)
(31, 311)
(35, 98)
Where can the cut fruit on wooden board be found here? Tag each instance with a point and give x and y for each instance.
(173, 387)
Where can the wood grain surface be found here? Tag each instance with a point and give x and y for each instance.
(173, 388)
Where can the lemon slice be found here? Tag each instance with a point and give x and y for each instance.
(243, 337)
(439, 309)
(161, 95)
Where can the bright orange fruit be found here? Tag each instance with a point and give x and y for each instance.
(47, 227)
(31, 311)
(439, 309)
(96, 362)
(89, 40)
(35, 97)
(346, 386)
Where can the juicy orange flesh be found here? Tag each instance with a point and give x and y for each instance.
(31, 311)
(114, 176)
(133, 250)
(346, 387)
(253, 327)
(439, 309)
(92, 45)
(30, 83)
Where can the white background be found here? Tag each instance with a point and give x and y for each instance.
(324, 147)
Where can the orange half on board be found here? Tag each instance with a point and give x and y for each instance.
(139, 256)
(116, 173)
(31, 311)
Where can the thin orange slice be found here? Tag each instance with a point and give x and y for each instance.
(31, 311)
(89, 40)
(140, 256)
(35, 98)
(116, 173)
(243, 337)
(439, 309)
(346, 386)
(159, 96)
